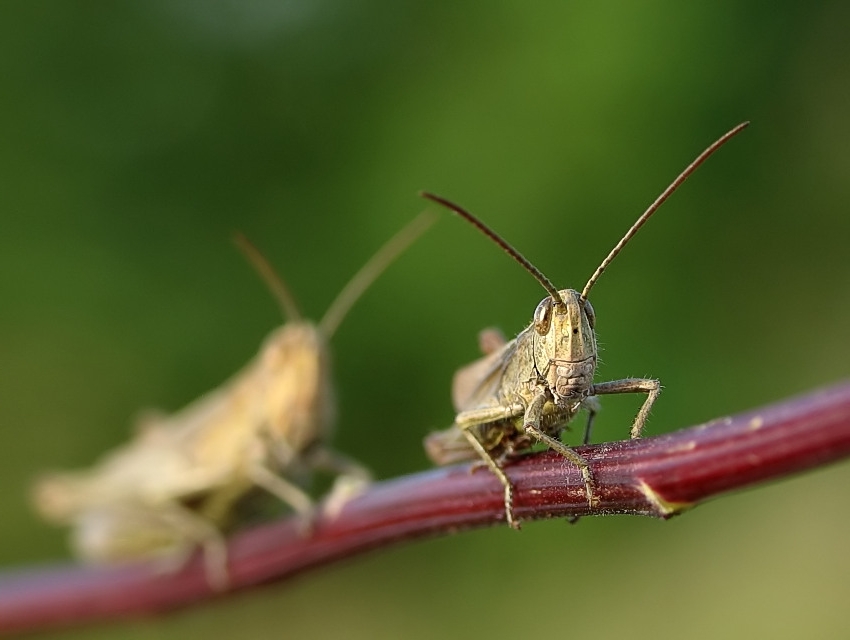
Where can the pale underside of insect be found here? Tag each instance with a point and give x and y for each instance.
(527, 390)
(176, 485)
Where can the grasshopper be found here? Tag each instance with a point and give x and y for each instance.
(176, 484)
(527, 390)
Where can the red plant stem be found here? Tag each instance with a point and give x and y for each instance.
(657, 476)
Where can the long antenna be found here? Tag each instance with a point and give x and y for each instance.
(658, 202)
(376, 265)
(506, 247)
(275, 283)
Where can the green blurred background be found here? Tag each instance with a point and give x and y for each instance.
(137, 136)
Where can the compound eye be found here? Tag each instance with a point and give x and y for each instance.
(543, 316)
(590, 313)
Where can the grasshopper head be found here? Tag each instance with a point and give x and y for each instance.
(565, 344)
(297, 400)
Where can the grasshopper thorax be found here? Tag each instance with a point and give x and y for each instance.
(564, 345)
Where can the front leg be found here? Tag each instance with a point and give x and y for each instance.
(497, 470)
(531, 424)
(468, 420)
(486, 415)
(286, 491)
(351, 480)
(632, 385)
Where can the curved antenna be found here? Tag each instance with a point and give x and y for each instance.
(368, 273)
(658, 202)
(495, 237)
(275, 283)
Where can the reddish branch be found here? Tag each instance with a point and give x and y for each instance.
(657, 476)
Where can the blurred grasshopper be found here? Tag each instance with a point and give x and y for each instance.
(527, 390)
(176, 484)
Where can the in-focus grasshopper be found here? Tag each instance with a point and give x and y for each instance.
(176, 484)
(527, 390)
